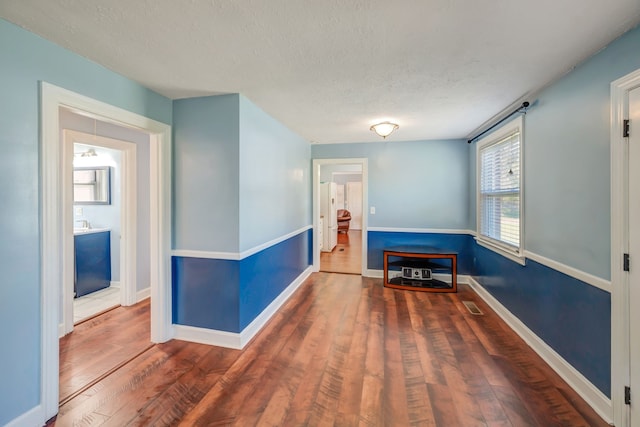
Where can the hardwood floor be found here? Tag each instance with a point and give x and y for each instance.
(100, 345)
(346, 257)
(343, 351)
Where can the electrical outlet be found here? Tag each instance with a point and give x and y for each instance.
(78, 211)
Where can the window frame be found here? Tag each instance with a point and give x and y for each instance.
(502, 248)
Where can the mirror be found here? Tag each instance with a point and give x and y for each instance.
(91, 186)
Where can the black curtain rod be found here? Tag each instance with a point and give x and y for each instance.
(520, 109)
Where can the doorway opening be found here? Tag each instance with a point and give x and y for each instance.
(106, 259)
(57, 232)
(340, 220)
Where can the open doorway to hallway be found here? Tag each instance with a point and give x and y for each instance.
(57, 233)
(106, 255)
(341, 210)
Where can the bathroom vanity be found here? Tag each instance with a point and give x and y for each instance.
(92, 260)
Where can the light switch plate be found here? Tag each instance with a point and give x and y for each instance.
(372, 210)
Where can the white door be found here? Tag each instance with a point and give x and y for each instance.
(339, 196)
(634, 252)
(354, 204)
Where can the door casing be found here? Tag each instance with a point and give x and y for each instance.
(51, 260)
(316, 206)
(620, 331)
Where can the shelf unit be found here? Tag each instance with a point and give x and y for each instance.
(423, 262)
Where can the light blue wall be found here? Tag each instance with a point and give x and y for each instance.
(418, 184)
(567, 171)
(274, 178)
(241, 180)
(206, 178)
(567, 214)
(26, 60)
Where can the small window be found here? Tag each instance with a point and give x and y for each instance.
(499, 197)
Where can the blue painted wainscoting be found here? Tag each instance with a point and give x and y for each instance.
(227, 295)
(572, 317)
(462, 244)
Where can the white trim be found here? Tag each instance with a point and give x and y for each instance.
(207, 336)
(513, 256)
(114, 284)
(259, 248)
(143, 294)
(590, 393)
(315, 194)
(51, 98)
(372, 274)
(240, 340)
(186, 253)
(237, 256)
(620, 363)
(33, 417)
(516, 124)
(588, 278)
(258, 323)
(422, 230)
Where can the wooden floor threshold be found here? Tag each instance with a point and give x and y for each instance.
(106, 310)
(78, 392)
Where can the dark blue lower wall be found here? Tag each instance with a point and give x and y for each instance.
(459, 243)
(205, 293)
(227, 295)
(265, 275)
(572, 317)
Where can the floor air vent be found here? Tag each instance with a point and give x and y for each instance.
(472, 307)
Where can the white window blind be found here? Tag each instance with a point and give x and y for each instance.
(499, 194)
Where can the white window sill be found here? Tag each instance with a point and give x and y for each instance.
(513, 256)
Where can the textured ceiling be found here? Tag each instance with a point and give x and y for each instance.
(328, 69)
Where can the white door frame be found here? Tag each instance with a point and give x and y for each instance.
(128, 219)
(51, 205)
(620, 362)
(317, 163)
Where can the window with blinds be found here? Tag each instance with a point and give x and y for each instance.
(499, 188)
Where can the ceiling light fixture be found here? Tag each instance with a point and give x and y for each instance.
(89, 153)
(384, 129)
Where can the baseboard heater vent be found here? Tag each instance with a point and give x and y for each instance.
(472, 307)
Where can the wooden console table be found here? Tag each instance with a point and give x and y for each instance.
(416, 265)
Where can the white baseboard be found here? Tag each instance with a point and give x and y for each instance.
(33, 417)
(590, 393)
(114, 284)
(207, 336)
(376, 274)
(239, 340)
(143, 294)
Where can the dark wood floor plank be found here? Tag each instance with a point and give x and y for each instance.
(342, 351)
(372, 403)
(418, 405)
(353, 369)
(395, 387)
